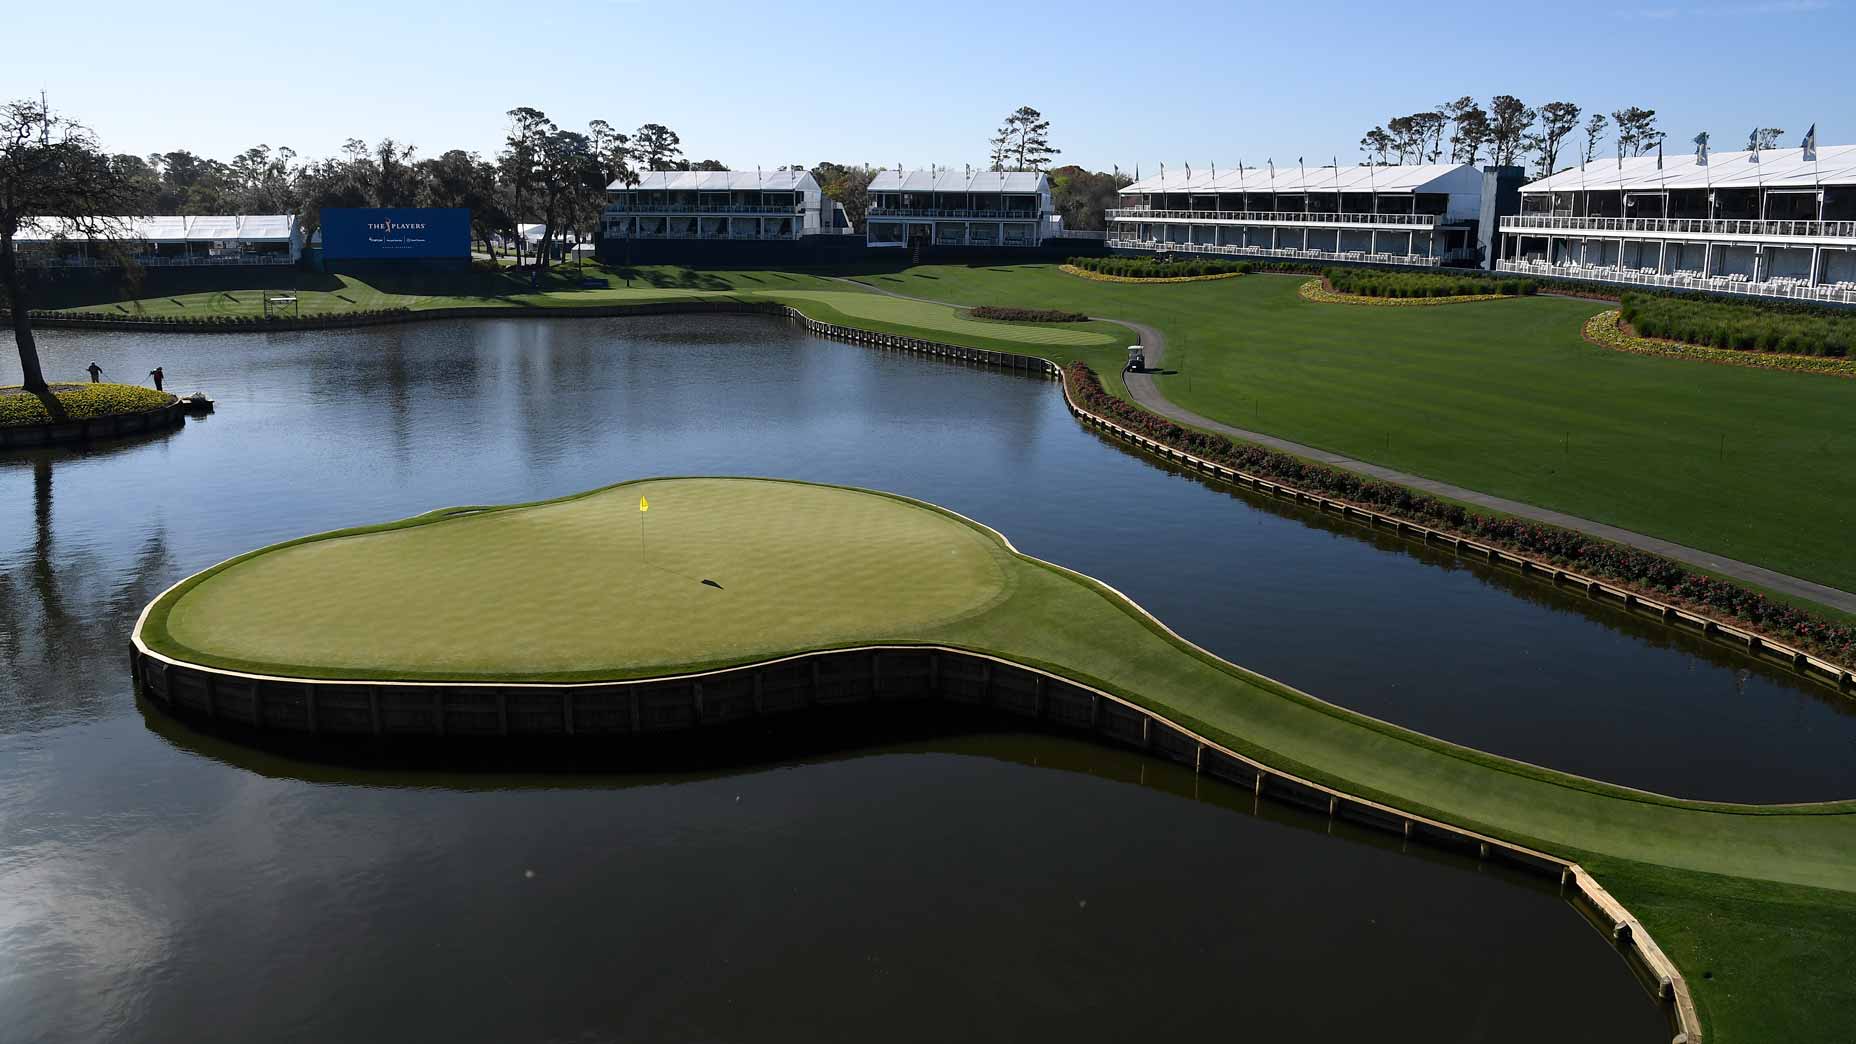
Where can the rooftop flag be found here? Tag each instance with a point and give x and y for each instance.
(1753, 154)
(1701, 149)
(1659, 155)
(1810, 144)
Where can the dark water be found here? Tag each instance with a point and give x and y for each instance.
(155, 886)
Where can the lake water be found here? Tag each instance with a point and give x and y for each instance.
(156, 884)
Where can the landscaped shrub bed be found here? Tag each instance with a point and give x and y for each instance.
(1740, 326)
(217, 320)
(80, 402)
(1026, 315)
(1605, 330)
(1623, 565)
(1372, 282)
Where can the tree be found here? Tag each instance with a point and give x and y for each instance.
(1594, 130)
(1637, 131)
(461, 179)
(1405, 137)
(1428, 130)
(1557, 121)
(553, 171)
(1377, 146)
(1083, 197)
(1469, 128)
(849, 185)
(50, 166)
(1023, 142)
(1764, 138)
(654, 146)
(1509, 118)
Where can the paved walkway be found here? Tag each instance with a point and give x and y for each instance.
(1144, 391)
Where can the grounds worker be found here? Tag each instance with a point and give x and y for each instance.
(157, 375)
(96, 373)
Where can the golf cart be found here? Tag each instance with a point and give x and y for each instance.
(1137, 360)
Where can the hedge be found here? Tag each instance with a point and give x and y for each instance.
(1740, 326)
(1626, 566)
(1372, 282)
(80, 402)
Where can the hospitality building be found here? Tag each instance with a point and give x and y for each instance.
(1775, 223)
(162, 242)
(1422, 215)
(720, 205)
(948, 208)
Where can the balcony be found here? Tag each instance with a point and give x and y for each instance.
(1687, 228)
(919, 212)
(1279, 217)
(781, 210)
(1785, 288)
(1359, 257)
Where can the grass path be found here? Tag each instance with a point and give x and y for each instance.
(1755, 903)
(1501, 397)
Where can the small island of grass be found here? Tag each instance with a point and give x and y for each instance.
(78, 402)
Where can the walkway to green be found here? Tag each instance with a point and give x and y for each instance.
(564, 589)
(1746, 473)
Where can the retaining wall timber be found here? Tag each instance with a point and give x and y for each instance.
(1804, 664)
(845, 677)
(161, 418)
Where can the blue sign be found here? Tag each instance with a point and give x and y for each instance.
(395, 233)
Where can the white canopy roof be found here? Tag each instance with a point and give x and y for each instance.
(1414, 177)
(722, 181)
(1027, 182)
(244, 228)
(1776, 168)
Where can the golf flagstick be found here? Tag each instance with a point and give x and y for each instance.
(644, 508)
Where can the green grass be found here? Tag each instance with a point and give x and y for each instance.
(557, 590)
(1504, 397)
(80, 402)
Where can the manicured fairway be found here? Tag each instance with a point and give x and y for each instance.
(549, 590)
(1504, 397)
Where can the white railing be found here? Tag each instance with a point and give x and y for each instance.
(1683, 226)
(1275, 217)
(1784, 287)
(28, 260)
(1078, 233)
(920, 212)
(1278, 253)
(704, 208)
(704, 235)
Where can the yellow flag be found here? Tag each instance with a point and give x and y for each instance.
(643, 504)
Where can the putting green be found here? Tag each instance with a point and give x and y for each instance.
(593, 586)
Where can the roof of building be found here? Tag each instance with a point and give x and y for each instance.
(722, 181)
(1775, 168)
(1016, 181)
(171, 228)
(1412, 177)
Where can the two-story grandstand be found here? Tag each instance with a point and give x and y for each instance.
(1421, 214)
(946, 208)
(1776, 223)
(720, 205)
(192, 240)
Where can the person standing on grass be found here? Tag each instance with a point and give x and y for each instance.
(157, 375)
(96, 373)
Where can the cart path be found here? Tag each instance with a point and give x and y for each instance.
(1142, 388)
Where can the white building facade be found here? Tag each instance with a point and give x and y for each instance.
(1421, 215)
(193, 240)
(1778, 223)
(720, 205)
(960, 209)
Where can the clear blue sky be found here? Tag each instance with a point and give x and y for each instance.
(774, 83)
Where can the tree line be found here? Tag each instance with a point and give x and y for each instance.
(1509, 131)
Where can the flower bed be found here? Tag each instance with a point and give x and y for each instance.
(1026, 315)
(1740, 326)
(1625, 566)
(332, 318)
(1318, 290)
(1606, 330)
(80, 402)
